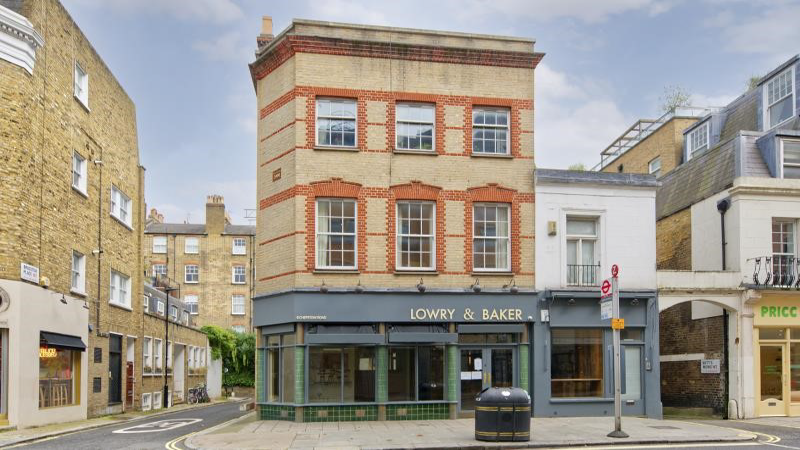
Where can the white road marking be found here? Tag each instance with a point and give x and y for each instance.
(157, 426)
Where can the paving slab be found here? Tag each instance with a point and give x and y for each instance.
(545, 432)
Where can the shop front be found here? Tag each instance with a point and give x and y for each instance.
(388, 355)
(776, 353)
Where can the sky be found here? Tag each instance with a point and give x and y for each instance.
(607, 64)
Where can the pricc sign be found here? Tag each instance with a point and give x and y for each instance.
(777, 311)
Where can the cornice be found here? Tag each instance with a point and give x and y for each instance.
(18, 39)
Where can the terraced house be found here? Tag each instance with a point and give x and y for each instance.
(395, 231)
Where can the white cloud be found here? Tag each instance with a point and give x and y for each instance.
(574, 122)
(214, 11)
(712, 100)
(239, 195)
(589, 11)
(230, 46)
(773, 32)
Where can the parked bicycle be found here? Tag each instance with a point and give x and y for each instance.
(198, 394)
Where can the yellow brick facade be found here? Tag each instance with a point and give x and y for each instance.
(666, 143)
(674, 241)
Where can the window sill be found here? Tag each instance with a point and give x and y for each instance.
(191, 253)
(82, 102)
(117, 305)
(238, 314)
(491, 155)
(416, 272)
(121, 222)
(343, 271)
(239, 284)
(191, 282)
(78, 293)
(239, 254)
(476, 273)
(401, 151)
(336, 149)
(81, 192)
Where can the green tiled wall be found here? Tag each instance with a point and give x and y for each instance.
(524, 367)
(260, 371)
(418, 411)
(276, 412)
(452, 373)
(299, 374)
(339, 413)
(382, 374)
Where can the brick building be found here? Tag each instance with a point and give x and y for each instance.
(395, 202)
(212, 263)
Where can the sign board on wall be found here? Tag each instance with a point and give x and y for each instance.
(709, 366)
(29, 273)
(606, 309)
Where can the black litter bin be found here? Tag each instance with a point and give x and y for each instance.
(503, 414)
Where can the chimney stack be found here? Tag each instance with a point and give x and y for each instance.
(266, 35)
(215, 214)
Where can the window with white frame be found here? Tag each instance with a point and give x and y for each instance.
(238, 275)
(779, 98)
(791, 158)
(78, 284)
(783, 249)
(185, 317)
(169, 354)
(159, 270)
(336, 122)
(159, 244)
(79, 172)
(173, 312)
(120, 206)
(202, 357)
(191, 273)
(160, 307)
(238, 328)
(191, 246)
(157, 403)
(336, 234)
(654, 166)
(237, 305)
(146, 404)
(120, 289)
(147, 355)
(582, 256)
(239, 246)
(491, 243)
(157, 352)
(415, 126)
(192, 302)
(146, 303)
(416, 228)
(191, 357)
(490, 131)
(81, 88)
(698, 140)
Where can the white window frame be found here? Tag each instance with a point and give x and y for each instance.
(191, 356)
(399, 236)
(78, 274)
(79, 172)
(147, 402)
(768, 105)
(580, 238)
(783, 158)
(159, 244)
(157, 400)
(169, 355)
(508, 237)
(121, 207)
(147, 355)
(158, 349)
(185, 317)
(238, 328)
(243, 275)
(398, 122)
(239, 249)
(120, 289)
(186, 274)
(160, 307)
(318, 116)
(192, 299)
(234, 305)
(506, 127)
(354, 234)
(173, 312)
(651, 166)
(146, 303)
(191, 249)
(156, 272)
(80, 89)
(705, 127)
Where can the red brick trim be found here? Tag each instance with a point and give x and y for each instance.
(415, 190)
(283, 236)
(277, 103)
(335, 187)
(292, 44)
(277, 198)
(272, 277)
(492, 192)
(279, 156)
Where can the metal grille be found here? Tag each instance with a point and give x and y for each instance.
(97, 384)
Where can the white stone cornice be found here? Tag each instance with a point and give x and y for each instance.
(18, 39)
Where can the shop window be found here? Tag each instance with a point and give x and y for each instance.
(341, 374)
(336, 234)
(488, 338)
(280, 368)
(416, 373)
(772, 333)
(576, 362)
(56, 376)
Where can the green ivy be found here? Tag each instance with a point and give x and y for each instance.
(238, 354)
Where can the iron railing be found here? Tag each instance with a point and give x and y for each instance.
(776, 271)
(583, 275)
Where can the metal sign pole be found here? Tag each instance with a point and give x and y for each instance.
(617, 433)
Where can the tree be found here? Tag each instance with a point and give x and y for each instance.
(578, 166)
(238, 354)
(752, 82)
(674, 97)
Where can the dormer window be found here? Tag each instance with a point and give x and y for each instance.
(791, 158)
(779, 98)
(697, 140)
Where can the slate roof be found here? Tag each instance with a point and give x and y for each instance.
(741, 114)
(192, 228)
(591, 177)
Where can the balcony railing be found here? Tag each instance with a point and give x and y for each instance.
(776, 271)
(583, 275)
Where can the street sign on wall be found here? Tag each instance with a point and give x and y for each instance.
(606, 309)
(709, 366)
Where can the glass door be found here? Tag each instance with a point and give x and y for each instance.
(482, 368)
(772, 398)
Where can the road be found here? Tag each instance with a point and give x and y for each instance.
(145, 433)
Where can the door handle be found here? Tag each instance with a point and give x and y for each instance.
(110, 375)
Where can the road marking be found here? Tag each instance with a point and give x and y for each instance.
(687, 445)
(158, 426)
(173, 444)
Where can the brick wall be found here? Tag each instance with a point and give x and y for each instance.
(682, 384)
(666, 143)
(674, 241)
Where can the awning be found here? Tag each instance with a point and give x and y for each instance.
(63, 341)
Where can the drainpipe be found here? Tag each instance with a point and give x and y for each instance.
(722, 207)
(99, 241)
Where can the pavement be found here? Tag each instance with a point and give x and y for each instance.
(99, 432)
(249, 433)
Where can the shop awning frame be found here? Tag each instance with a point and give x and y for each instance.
(62, 341)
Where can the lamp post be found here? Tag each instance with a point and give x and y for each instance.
(167, 288)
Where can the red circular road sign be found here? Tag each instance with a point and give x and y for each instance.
(606, 287)
(614, 270)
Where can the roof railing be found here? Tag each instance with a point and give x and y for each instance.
(644, 128)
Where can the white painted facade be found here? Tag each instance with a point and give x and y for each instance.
(18, 39)
(626, 231)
